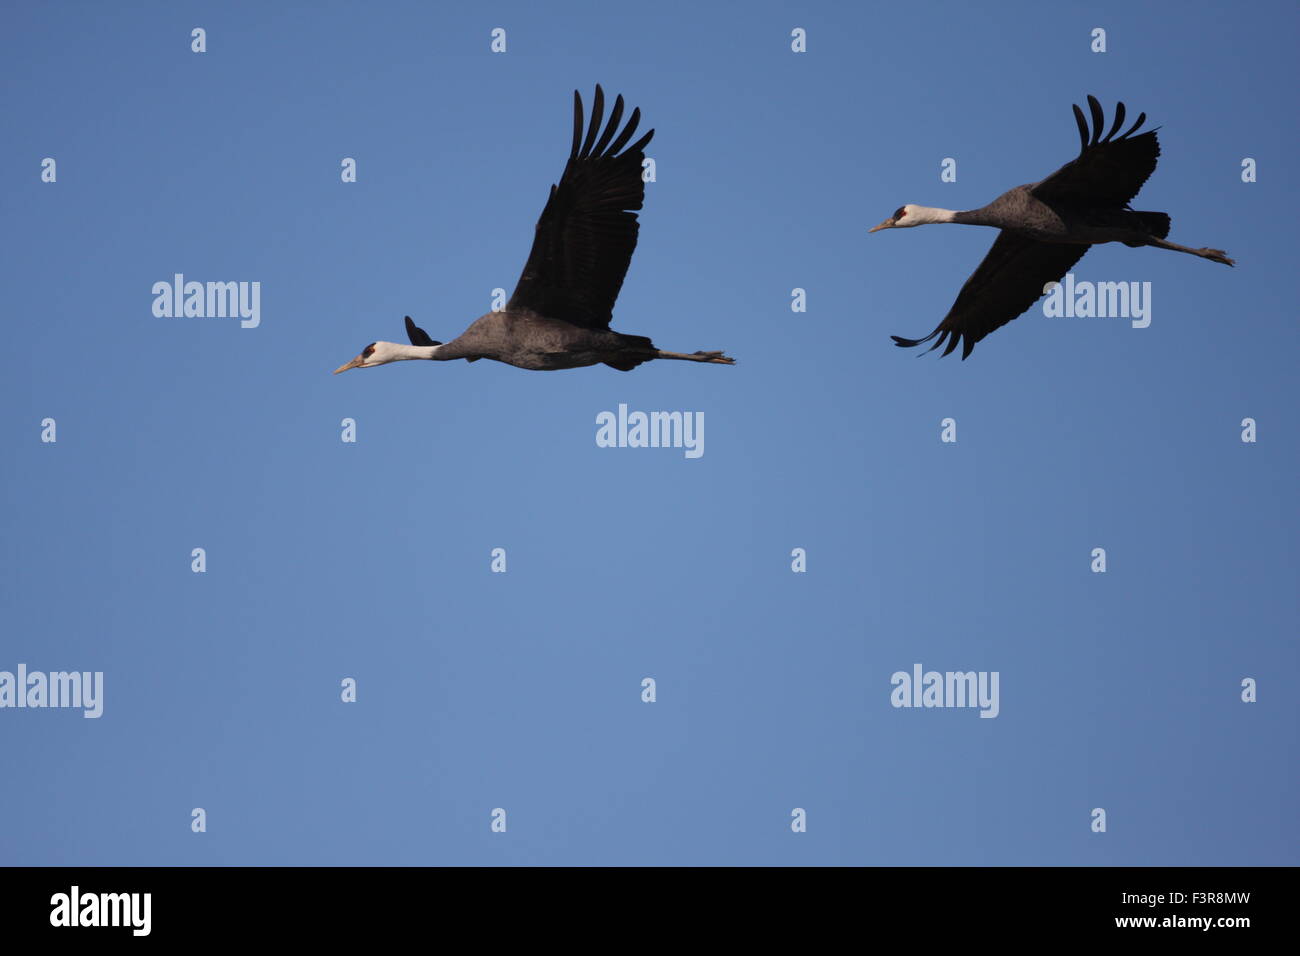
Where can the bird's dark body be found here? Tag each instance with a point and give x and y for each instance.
(527, 340)
(1021, 212)
(1047, 226)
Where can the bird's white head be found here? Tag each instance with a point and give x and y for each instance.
(914, 215)
(381, 353)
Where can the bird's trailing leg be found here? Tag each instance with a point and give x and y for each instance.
(717, 358)
(1214, 255)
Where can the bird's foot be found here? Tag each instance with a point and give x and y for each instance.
(1216, 255)
(717, 358)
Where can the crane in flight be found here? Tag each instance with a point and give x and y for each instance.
(1047, 226)
(559, 314)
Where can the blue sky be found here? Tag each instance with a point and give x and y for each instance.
(521, 690)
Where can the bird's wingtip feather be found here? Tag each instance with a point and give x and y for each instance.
(1083, 127)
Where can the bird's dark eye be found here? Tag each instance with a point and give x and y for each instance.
(900, 212)
(369, 348)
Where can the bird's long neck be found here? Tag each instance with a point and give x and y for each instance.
(405, 352)
(964, 217)
(929, 214)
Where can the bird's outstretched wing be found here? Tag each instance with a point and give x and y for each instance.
(417, 335)
(1007, 282)
(1109, 170)
(587, 232)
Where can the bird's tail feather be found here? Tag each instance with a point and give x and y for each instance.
(625, 363)
(1156, 223)
(634, 350)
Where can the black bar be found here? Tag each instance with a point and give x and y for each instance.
(206, 904)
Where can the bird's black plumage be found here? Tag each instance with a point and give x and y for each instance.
(588, 230)
(1107, 171)
(417, 335)
(995, 293)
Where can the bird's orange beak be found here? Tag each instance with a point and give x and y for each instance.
(355, 363)
(887, 224)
